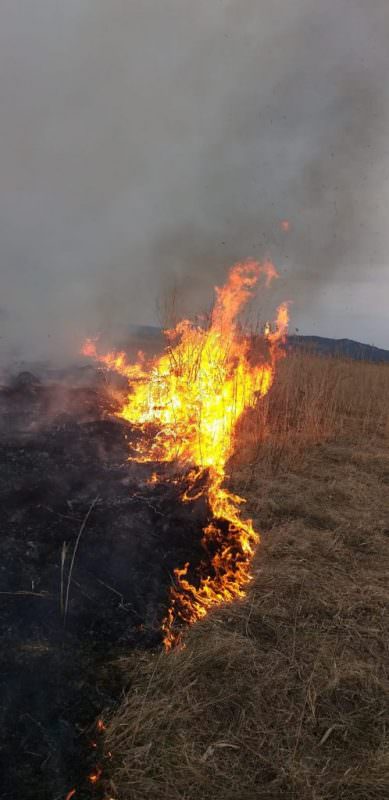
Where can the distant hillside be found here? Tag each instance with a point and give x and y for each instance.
(145, 331)
(345, 348)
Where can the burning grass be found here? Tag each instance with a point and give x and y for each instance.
(187, 403)
(284, 693)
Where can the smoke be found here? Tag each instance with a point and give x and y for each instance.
(148, 145)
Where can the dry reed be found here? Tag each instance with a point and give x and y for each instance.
(285, 694)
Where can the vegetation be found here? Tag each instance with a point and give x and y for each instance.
(286, 693)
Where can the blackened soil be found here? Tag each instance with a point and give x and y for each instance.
(62, 631)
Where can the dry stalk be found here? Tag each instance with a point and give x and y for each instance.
(77, 542)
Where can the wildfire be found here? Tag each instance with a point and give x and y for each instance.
(194, 394)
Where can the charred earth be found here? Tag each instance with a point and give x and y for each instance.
(88, 545)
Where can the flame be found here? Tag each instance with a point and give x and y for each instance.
(194, 394)
(95, 776)
(114, 361)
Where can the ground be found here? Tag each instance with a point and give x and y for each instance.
(285, 694)
(87, 550)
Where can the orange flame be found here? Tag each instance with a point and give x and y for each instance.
(195, 394)
(94, 777)
(114, 361)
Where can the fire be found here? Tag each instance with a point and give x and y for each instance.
(194, 395)
(114, 361)
(95, 776)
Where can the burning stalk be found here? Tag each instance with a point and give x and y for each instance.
(195, 393)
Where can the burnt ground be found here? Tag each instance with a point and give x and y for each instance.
(62, 457)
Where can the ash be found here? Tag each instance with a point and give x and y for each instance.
(63, 455)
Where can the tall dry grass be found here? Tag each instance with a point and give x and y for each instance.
(285, 694)
(313, 400)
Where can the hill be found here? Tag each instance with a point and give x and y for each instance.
(343, 348)
(320, 345)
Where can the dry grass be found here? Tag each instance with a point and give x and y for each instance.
(314, 399)
(284, 695)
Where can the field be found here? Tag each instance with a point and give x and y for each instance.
(286, 693)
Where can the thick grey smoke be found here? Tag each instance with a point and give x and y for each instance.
(147, 144)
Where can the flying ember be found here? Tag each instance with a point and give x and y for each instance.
(194, 395)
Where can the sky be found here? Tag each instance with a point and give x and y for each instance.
(146, 145)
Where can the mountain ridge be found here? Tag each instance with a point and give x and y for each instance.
(322, 345)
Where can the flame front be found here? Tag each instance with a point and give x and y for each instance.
(194, 394)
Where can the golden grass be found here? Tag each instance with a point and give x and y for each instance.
(313, 399)
(286, 694)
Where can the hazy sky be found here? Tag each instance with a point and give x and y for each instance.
(151, 142)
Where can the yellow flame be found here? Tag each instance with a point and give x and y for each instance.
(194, 394)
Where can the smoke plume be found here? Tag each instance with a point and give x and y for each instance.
(150, 145)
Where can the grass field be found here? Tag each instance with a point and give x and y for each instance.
(285, 694)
